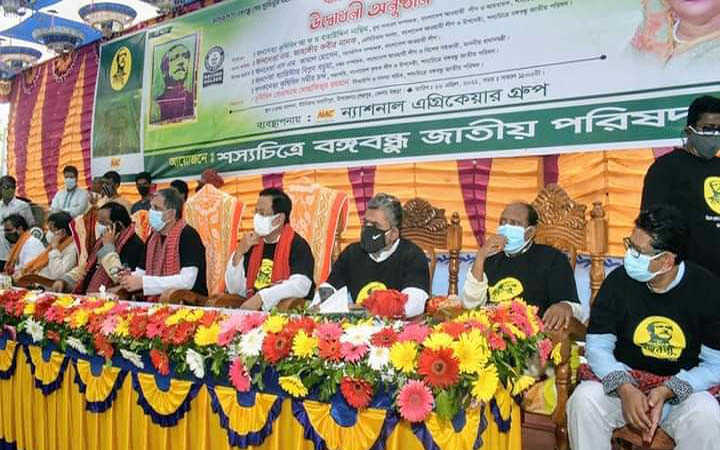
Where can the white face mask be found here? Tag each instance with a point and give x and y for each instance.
(263, 224)
(99, 230)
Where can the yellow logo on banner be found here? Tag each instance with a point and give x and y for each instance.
(660, 337)
(506, 289)
(120, 68)
(712, 193)
(368, 289)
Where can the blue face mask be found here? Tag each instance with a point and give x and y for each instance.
(638, 267)
(155, 218)
(515, 236)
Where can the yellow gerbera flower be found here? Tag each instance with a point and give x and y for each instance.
(522, 383)
(403, 355)
(472, 352)
(79, 318)
(107, 306)
(303, 345)
(122, 328)
(486, 384)
(29, 308)
(207, 335)
(65, 301)
(293, 385)
(438, 340)
(193, 315)
(176, 317)
(274, 324)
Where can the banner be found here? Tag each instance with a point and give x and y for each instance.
(116, 117)
(285, 83)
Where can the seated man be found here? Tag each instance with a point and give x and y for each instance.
(174, 254)
(273, 262)
(511, 265)
(60, 256)
(653, 344)
(381, 260)
(25, 247)
(117, 248)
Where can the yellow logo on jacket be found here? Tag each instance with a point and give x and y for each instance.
(368, 289)
(659, 337)
(120, 68)
(505, 289)
(712, 193)
(264, 276)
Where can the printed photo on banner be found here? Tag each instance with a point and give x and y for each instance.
(174, 80)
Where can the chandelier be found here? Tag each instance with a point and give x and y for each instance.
(16, 7)
(16, 58)
(109, 18)
(165, 6)
(58, 39)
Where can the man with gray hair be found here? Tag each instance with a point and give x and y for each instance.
(381, 260)
(174, 254)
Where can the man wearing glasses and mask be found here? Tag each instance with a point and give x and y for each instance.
(689, 179)
(9, 205)
(653, 344)
(381, 260)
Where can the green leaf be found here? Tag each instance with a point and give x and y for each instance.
(446, 405)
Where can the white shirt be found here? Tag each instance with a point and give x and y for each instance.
(73, 202)
(60, 262)
(32, 249)
(15, 206)
(156, 285)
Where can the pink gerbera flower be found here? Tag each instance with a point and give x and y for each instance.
(329, 331)
(239, 376)
(109, 324)
(251, 321)
(229, 328)
(544, 349)
(415, 401)
(414, 332)
(353, 353)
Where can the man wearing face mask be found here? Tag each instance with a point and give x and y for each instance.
(688, 177)
(11, 205)
(60, 256)
(25, 246)
(653, 344)
(70, 198)
(381, 260)
(109, 191)
(272, 263)
(174, 253)
(511, 265)
(143, 183)
(117, 248)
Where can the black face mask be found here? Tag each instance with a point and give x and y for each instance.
(12, 237)
(143, 190)
(372, 239)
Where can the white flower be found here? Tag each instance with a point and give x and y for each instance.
(134, 358)
(378, 357)
(76, 344)
(359, 334)
(34, 329)
(251, 342)
(196, 362)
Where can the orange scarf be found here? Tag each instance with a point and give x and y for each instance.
(15, 253)
(163, 254)
(42, 260)
(281, 259)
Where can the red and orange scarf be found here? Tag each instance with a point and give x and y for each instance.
(281, 259)
(93, 279)
(646, 381)
(163, 254)
(42, 260)
(15, 253)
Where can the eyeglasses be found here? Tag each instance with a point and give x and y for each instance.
(636, 252)
(707, 129)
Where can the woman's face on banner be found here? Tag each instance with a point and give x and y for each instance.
(696, 11)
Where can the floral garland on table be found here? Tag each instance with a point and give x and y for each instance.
(442, 368)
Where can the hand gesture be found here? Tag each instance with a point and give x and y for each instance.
(247, 241)
(110, 235)
(635, 408)
(493, 244)
(558, 316)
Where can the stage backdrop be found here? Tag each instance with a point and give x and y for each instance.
(261, 84)
(50, 126)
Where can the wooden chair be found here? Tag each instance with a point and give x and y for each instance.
(34, 281)
(428, 227)
(216, 217)
(626, 438)
(563, 225)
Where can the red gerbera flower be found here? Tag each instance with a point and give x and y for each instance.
(53, 336)
(295, 325)
(160, 361)
(95, 322)
(137, 325)
(496, 341)
(42, 305)
(356, 391)
(454, 329)
(209, 318)
(384, 338)
(184, 331)
(439, 367)
(276, 346)
(329, 349)
(103, 346)
(386, 303)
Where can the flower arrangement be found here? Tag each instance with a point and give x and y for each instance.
(424, 367)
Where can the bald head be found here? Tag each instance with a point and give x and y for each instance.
(520, 214)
